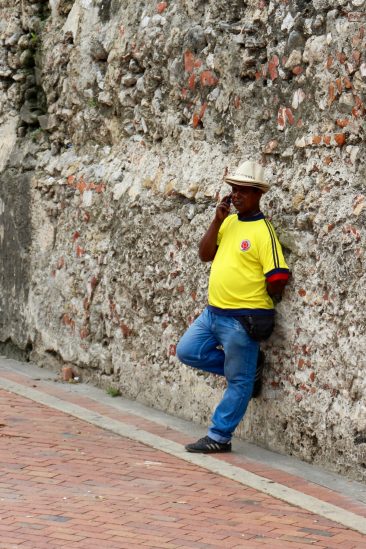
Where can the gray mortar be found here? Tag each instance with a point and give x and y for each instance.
(125, 121)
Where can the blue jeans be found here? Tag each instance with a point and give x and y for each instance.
(236, 360)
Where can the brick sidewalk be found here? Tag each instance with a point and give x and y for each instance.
(69, 394)
(66, 483)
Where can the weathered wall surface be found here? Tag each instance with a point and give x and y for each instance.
(118, 121)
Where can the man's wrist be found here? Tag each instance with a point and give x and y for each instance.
(217, 222)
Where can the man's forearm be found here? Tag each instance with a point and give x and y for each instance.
(208, 244)
(276, 288)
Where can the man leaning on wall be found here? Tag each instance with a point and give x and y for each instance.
(248, 275)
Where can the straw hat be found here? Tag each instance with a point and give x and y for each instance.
(248, 174)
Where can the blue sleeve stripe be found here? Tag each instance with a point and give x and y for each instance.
(276, 260)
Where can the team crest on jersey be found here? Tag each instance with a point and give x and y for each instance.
(245, 245)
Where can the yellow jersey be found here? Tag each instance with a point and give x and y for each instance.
(248, 254)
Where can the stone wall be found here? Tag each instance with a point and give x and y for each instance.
(117, 124)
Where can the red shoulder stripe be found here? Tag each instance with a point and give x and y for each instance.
(278, 276)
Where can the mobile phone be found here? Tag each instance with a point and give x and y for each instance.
(228, 200)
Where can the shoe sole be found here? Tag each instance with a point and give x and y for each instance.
(192, 451)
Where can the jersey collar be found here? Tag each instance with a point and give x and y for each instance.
(255, 217)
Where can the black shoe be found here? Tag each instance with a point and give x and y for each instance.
(207, 445)
(257, 387)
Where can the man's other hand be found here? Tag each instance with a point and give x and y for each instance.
(276, 288)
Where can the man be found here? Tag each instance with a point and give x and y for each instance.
(248, 269)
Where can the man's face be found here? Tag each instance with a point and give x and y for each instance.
(245, 199)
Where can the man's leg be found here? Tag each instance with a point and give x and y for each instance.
(241, 353)
(258, 380)
(198, 346)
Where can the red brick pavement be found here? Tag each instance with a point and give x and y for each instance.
(276, 475)
(65, 483)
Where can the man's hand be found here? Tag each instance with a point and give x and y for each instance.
(223, 209)
(276, 288)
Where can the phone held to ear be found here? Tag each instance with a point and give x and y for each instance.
(227, 200)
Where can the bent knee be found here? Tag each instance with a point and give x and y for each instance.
(182, 353)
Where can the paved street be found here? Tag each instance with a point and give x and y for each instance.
(65, 482)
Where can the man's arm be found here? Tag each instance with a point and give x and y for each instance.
(208, 245)
(276, 287)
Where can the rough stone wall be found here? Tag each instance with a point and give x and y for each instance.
(117, 123)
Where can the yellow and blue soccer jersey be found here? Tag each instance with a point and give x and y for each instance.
(248, 254)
